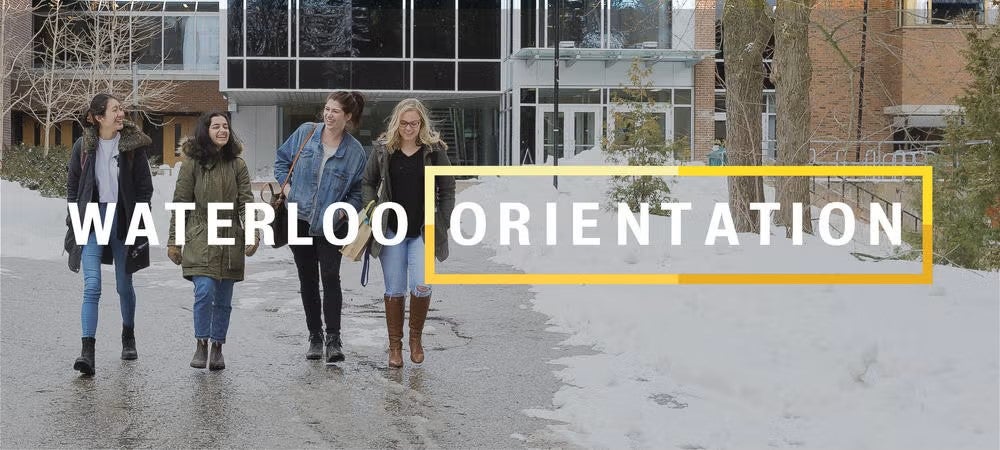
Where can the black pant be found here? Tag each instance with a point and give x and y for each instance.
(315, 262)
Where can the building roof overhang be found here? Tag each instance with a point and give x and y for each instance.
(266, 97)
(610, 56)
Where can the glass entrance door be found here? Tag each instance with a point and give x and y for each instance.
(577, 129)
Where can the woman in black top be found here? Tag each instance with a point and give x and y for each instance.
(395, 173)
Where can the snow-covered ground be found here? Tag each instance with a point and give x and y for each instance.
(715, 366)
(753, 366)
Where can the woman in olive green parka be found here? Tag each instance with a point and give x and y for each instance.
(213, 173)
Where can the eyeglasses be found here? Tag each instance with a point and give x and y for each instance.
(405, 124)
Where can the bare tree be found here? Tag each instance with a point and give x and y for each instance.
(50, 90)
(15, 51)
(107, 47)
(746, 27)
(793, 79)
(85, 51)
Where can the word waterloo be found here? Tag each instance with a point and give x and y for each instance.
(513, 218)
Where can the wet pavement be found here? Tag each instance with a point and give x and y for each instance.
(487, 361)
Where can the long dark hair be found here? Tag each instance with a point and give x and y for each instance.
(98, 107)
(205, 148)
(353, 103)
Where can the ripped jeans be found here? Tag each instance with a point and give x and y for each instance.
(403, 267)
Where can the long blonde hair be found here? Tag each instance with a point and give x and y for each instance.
(427, 135)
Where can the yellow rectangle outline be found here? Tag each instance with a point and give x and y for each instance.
(926, 276)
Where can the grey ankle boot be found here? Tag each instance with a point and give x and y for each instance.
(200, 359)
(215, 359)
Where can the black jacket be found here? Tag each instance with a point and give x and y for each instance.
(135, 185)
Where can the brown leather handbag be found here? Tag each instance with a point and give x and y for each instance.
(278, 200)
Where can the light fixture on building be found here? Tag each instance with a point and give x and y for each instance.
(650, 44)
(567, 44)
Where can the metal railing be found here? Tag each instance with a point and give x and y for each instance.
(889, 153)
(848, 186)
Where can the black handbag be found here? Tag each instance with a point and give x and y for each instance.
(278, 200)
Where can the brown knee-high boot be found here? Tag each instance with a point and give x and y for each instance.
(418, 314)
(394, 322)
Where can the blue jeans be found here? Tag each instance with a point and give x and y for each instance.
(90, 261)
(213, 304)
(402, 261)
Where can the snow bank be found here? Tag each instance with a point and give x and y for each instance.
(753, 366)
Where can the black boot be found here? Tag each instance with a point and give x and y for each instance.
(85, 363)
(200, 359)
(333, 348)
(315, 346)
(215, 360)
(128, 343)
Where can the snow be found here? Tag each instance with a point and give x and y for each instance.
(752, 366)
(34, 226)
(709, 366)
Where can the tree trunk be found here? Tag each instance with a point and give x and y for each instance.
(793, 76)
(746, 28)
(45, 148)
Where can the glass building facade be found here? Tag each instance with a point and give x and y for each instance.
(471, 61)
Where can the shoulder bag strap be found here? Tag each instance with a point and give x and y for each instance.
(292, 168)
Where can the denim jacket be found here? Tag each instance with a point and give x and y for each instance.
(341, 181)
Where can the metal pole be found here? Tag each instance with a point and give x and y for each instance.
(556, 123)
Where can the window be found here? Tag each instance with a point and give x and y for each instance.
(178, 135)
(529, 95)
(235, 24)
(479, 29)
(682, 123)
(529, 30)
(631, 95)
(270, 74)
(190, 43)
(580, 23)
(267, 28)
(324, 74)
(393, 75)
(434, 29)
(569, 95)
(433, 76)
(326, 29)
(390, 75)
(940, 12)
(234, 77)
(148, 54)
(377, 27)
(479, 76)
(640, 24)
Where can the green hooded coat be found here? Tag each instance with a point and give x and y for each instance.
(212, 180)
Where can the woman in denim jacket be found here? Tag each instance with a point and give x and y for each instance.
(329, 170)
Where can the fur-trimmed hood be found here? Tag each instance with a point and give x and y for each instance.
(131, 138)
(189, 148)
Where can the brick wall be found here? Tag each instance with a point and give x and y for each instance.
(704, 81)
(933, 71)
(837, 74)
(912, 66)
(198, 97)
